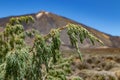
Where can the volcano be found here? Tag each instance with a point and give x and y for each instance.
(44, 21)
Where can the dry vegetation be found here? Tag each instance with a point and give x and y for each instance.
(99, 64)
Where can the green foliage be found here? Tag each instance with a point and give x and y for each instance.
(21, 20)
(14, 53)
(41, 55)
(77, 31)
(16, 64)
(55, 45)
(60, 70)
(42, 61)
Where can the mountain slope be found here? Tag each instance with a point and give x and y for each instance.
(44, 21)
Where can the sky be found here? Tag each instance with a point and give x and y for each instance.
(103, 15)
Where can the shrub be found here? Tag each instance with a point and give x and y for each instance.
(43, 60)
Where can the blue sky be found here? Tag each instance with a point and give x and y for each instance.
(103, 15)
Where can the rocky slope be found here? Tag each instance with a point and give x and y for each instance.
(44, 21)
